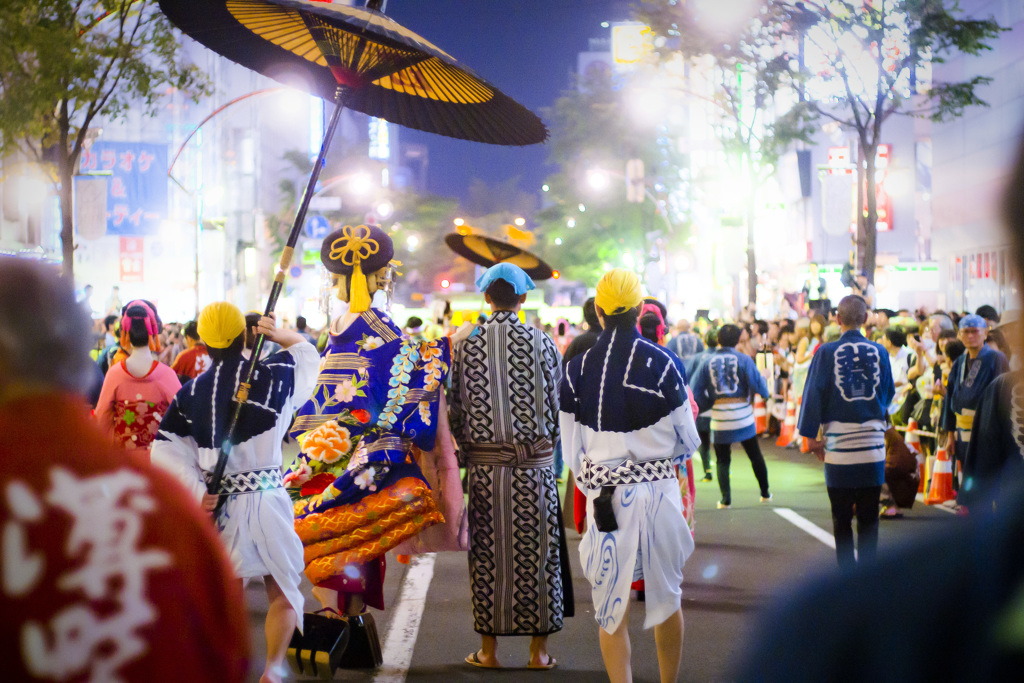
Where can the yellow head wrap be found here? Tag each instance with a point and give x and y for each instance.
(219, 324)
(355, 245)
(618, 291)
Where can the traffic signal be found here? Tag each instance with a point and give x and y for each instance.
(445, 283)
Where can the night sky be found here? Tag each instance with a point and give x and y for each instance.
(525, 48)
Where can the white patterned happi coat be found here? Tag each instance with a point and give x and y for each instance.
(626, 420)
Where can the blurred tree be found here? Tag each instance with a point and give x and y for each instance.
(63, 63)
(590, 131)
(759, 116)
(417, 223)
(876, 61)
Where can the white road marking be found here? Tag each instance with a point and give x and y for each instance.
(806, 525)
(405, 620)
(920, 498)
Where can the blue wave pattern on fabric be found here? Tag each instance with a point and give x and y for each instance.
(625, 400)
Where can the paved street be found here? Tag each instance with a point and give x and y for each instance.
(744, 557)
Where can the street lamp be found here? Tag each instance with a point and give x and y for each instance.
(597, 179)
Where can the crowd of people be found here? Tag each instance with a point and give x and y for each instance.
(187, 426)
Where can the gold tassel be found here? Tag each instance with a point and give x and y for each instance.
(359, 296)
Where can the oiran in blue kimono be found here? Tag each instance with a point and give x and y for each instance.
(373, 412)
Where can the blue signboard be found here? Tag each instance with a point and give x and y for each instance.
(137, 189)
(317, 227)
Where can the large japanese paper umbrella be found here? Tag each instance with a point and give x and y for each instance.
(384, 69)
(487, 251)
(357, 58)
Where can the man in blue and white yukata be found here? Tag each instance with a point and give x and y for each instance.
(724, 385)
(257, 523)
(848, 390)
(625, 420)
(970, 375)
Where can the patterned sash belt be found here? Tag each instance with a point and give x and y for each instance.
(251, 481)
(540, 453)
(964, 424)
(594, 476)
(390, 443)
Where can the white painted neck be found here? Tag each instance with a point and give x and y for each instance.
(140, 361)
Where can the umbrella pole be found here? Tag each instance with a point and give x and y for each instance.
(275, 291)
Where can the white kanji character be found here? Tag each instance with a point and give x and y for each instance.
(106, 512)
(858, 372)
(21, 568)
(724, 374)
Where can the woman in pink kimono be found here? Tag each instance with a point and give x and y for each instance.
(137, 391)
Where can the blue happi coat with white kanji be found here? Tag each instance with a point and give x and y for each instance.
(848, 390)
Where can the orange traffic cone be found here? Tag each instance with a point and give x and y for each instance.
(760, 415)
(913, 442)
(942, 480)
(788, 433)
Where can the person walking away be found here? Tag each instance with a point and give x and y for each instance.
(703, 421)
(257, 521)
(625, 420)
(110, 329)
(724, 385)
(579, 345)
(195, 359)
(848, 390)
(110, 571)
(685, 343)
(586, 339)
(968, 378)
(138, 390)
(374, 415)
(300, 327)
(504, 416)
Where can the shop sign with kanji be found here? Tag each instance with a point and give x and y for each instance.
(137, 190)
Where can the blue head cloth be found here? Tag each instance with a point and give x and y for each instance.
(512, 274)
(973, 321)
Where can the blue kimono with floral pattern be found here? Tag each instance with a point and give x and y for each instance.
(376, 396)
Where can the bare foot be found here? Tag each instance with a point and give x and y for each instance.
(273, 674)
(541, 661)
(482, 660)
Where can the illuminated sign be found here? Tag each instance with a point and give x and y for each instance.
(631, 43)
(380, 142)
(137, 184)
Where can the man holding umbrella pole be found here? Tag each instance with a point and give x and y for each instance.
(257, 523)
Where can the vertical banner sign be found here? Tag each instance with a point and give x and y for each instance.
(91, 206)
(131, 259)
(883, 201)
(137, 191)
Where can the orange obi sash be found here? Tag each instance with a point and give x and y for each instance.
(351, 534)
